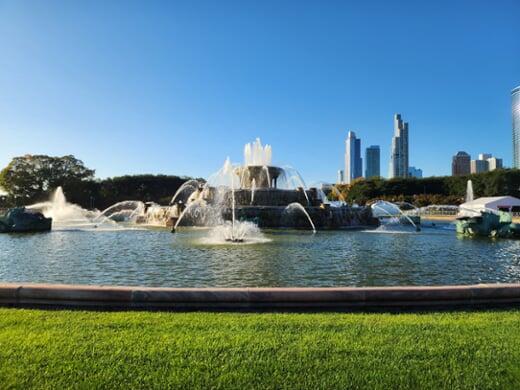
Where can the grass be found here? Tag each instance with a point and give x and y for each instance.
(61, 349)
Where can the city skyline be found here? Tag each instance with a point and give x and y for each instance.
(175, 89)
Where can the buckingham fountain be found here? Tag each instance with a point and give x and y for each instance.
(265, 195)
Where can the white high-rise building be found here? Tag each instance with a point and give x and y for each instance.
(399, 153)
(353, 160)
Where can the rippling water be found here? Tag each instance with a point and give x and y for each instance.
(288, 258)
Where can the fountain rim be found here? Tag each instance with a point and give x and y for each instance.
(337, 299)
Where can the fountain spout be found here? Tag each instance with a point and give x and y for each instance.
(469, 191)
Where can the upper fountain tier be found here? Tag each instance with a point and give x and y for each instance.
(257, 171)
(257, 154)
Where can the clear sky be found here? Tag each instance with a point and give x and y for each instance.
(175, 87)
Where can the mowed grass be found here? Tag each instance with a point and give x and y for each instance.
(61, 349)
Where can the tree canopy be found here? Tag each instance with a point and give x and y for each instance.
(431, 190)
(29, 177)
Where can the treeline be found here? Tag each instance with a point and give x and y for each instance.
(32, 178)
(449, 190)
(100, 194)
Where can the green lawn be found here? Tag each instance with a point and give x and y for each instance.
(57, 349)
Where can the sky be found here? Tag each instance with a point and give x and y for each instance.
(176, 87)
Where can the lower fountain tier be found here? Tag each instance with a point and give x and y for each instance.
(323, 217)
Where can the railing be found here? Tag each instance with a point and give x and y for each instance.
(438, 212)
(443, 212)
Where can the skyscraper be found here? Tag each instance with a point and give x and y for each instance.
(353, 160)
(515, 111)
(372, 161)
(461, 164)
(399, 153)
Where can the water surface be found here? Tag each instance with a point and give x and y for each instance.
(155, 257)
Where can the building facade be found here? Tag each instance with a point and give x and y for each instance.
(399, 151)
(515, 111)
(494, 163)
(353, 160)
(461, 164)
(485, 163)
(415, 172)
(479, 166)
(372, 161)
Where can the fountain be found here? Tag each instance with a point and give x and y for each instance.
(469, 191)
(264, 194)
(67, 216)
(391, 213)
(290, 209)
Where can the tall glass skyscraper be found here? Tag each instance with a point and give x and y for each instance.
(515, 111)
(372, 161)
(399, 154)
(353, 160)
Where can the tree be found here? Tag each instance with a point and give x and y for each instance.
(30, 177)
(432, 190)
(153, 188)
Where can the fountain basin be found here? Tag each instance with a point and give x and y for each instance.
(260, 299)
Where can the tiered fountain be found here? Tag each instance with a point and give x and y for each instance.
(263, 194)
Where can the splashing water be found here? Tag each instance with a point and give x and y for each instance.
(67, 215)
(391, 213)
(126, 211)
(242, 232)
(298, 207)
(185, 191)
(253, 189)
(469, 191)
(257, 154)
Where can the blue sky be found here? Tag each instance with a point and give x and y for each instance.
(175, 87)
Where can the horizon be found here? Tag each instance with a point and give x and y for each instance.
(174, 88)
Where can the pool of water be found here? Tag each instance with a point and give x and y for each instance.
(155, 257)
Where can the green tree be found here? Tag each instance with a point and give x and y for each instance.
(31, 177)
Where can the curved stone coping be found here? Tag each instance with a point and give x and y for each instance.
(257, 299)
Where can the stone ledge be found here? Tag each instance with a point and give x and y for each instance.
(259, 299)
